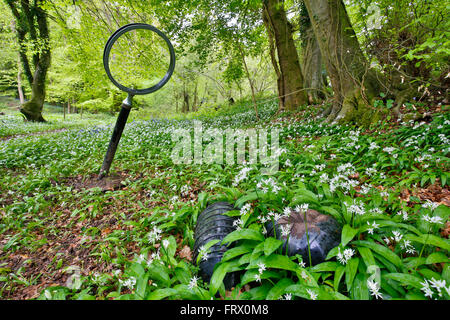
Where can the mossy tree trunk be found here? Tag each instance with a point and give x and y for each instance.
(312, 66)
(32, 29)
(353, 82)
(287, 67)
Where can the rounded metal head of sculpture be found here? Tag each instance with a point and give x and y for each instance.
(139, 59)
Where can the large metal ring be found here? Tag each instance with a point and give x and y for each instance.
(119, 32)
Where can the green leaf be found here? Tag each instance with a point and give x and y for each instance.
(248, 234)
(249, 275)
(219, 274)
(405, 279)
(137, 269)
(246, 198)
(350, 272)
(257, 293)
(271, 244)
(278, 289)
(182, 275)
(159, 272)
(367, 256)
(207, 246)
(359, 289)
(388, 223)
(185, 293)
(172, 247)
(141, 286)
(331, 211)
(437, 257)
(277, 261)
(160, 294)
(430, 239)
(443, 179)
(442, 211)
(325, 267)
(300, 290)
(237, 251)
(414, 262)
(338, 276)
(306, 197)
(381, 250)
(424, 180)
(332, 253)
(348, 233)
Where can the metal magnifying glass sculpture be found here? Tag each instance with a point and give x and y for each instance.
(139, 59)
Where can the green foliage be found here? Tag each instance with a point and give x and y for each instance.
(389, 247)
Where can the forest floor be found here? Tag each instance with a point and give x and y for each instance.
(64, 235)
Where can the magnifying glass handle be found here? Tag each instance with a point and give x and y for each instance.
(115, 138)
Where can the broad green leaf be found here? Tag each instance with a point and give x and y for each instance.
(442, 211)
(300, 290)
(348, 233)
(303, 198)
(271, 244)
(160, 294)
(367, 256)
(389, 223)
(172, 247)
(258, 293)
(235, 252)
(137, 269)
(415, 296)
(338, 276)
(405, 279)
(412, 263)
(219, 274)
(250, 275)
(158, 272)
(248, 234)
(332, 253)
(446, 273)
(185, 293)
(325, 267)
(207, 246)
(246, 198)
(381, 250)
(359, 289)
(278, 290)
(437, 257)
(141, 286)
(430, 239)
(276, 261)
(331, 211)
(182, 275)
(350, 272)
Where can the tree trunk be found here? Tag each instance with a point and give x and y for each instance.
(185, 108)
(312, 67)
(19, 83)
(290, 78)
(354, 83)
(273, 58)
(33, 108)
(32, 19)
(195, 103)
(252, 87)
